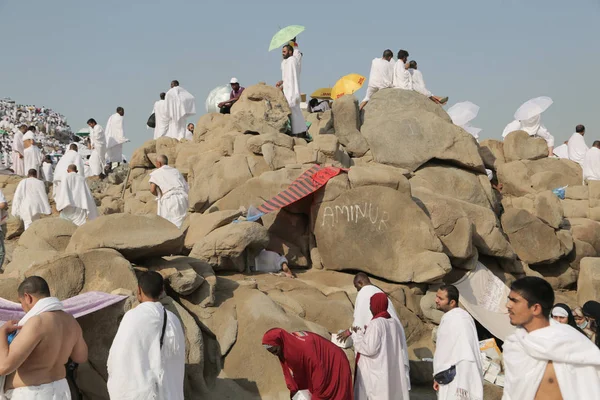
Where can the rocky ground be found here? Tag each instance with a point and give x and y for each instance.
(414, 209)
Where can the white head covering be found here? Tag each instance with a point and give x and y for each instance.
(531, 125)
(234, 80)
(559, 312)
(28, 136)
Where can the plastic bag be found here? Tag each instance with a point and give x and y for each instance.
(560, 192)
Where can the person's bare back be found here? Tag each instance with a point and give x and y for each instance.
(43, 347)
(549, 389)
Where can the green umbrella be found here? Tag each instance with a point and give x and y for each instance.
(285, 35)
(83, 132)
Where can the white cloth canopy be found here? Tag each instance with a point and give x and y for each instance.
(18, 163)
(533, 107)
(33, 159)
(457, 345)
(462, 113)
(180, 104)
(591, 165)
(418, 82)
(161, 118)
(74, 199)
(114, 138)
(381, 372)
(30, 201)
(380, 77)
(577, 148)
(173, 194)
(575, 358)
(137, 366)
(290, 75)
(402, 78)
(561, 151)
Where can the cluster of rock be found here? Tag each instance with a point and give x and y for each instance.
(413, 207)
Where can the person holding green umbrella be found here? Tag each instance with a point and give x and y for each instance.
(290, 84)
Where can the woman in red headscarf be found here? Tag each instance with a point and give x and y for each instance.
(309, 362)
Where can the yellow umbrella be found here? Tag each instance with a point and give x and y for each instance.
(347, 85)
(322, 94)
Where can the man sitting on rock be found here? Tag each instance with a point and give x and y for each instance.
(419, 84)
(576, 145)
(74, 199)
(30, 200)
(147, 356)
(236, 92)
(33, 362)
(591, 163)
(171, 189)
(381, 75)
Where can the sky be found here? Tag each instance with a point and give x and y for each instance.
(84, 59)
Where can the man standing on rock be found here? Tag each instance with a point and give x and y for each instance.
(30, 201)
(161, 117)
(147, 356)
(180, 105)
(291, 67)
(457, 362)
(18, 163)
(33, 362)
(32, 155)
(98, 147)
(381, 76)
(74, 199)
(115, 137)
(363, 315)
(171, 189)
(544, 359)
(71, 156)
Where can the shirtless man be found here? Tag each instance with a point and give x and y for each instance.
(34, 363)
(545, 359)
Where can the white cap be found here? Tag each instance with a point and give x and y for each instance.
(28, 136)
(559, 312)
(234, 80)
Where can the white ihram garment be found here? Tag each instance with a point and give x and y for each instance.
(180, 105)
(60, 172)
(591, 165)
(173, 194)
(18, 164)
(98, 156)
(381, 372)
(51, 391)
(362, 317)
(74, 200)
(533, 127)
(457, 345)
(138, 369)
(380, 77)
(577, 148)
(114, 139)
(290, 75)
(162, 119)
(30, 201)
(47, 171)
(418, 82)
(561, 151)
(575, 358)
(33, 159)
(402, 78)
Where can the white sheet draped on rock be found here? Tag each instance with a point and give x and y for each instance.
(380, 77)
(33, 159)
(30, 201)
(180, 104)
(114, 138)
(46, 304)
(577, 148)
(60, 172)
(98, 156)
(173, 194)
(591, 165)
(418, 83)
(363, 315)
(576, 362)
(47, 171)
(162, 119)
(533, 127)
(402, 78)
(561, 151)
(74, 200)
(457, 345)
(381, 371)
(291, 69)
(138, 368)
(18, 163)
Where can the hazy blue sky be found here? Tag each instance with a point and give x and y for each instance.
(85, 58)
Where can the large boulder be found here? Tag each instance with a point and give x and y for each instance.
(203, 224)
(492, 153)
(522, 177)
(51, 234)
(403, 130)
(65, 275)
(140, 157)
(346, 122)
(134, 236)
(588, 284)
(213, 124)
(518, 145)
(380, 231)
(260, 109)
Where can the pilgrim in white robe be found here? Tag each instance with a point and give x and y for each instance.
(30, 201)
(74, 200)
(577, 148)
(180, 105)
(162, 119)
(33, 159)
(591, 165)
(418, 82)
(380, 77)
(362, 317)
(172, 194)
(575, 358)
(48, 171)
(114, 139)
(533, 127)
(137, 366)
(18, 163)
(381, 371)
(457, 345)
(290, 75)
(561, 151)
(98, 156)
(60, 172)
(402, 78)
